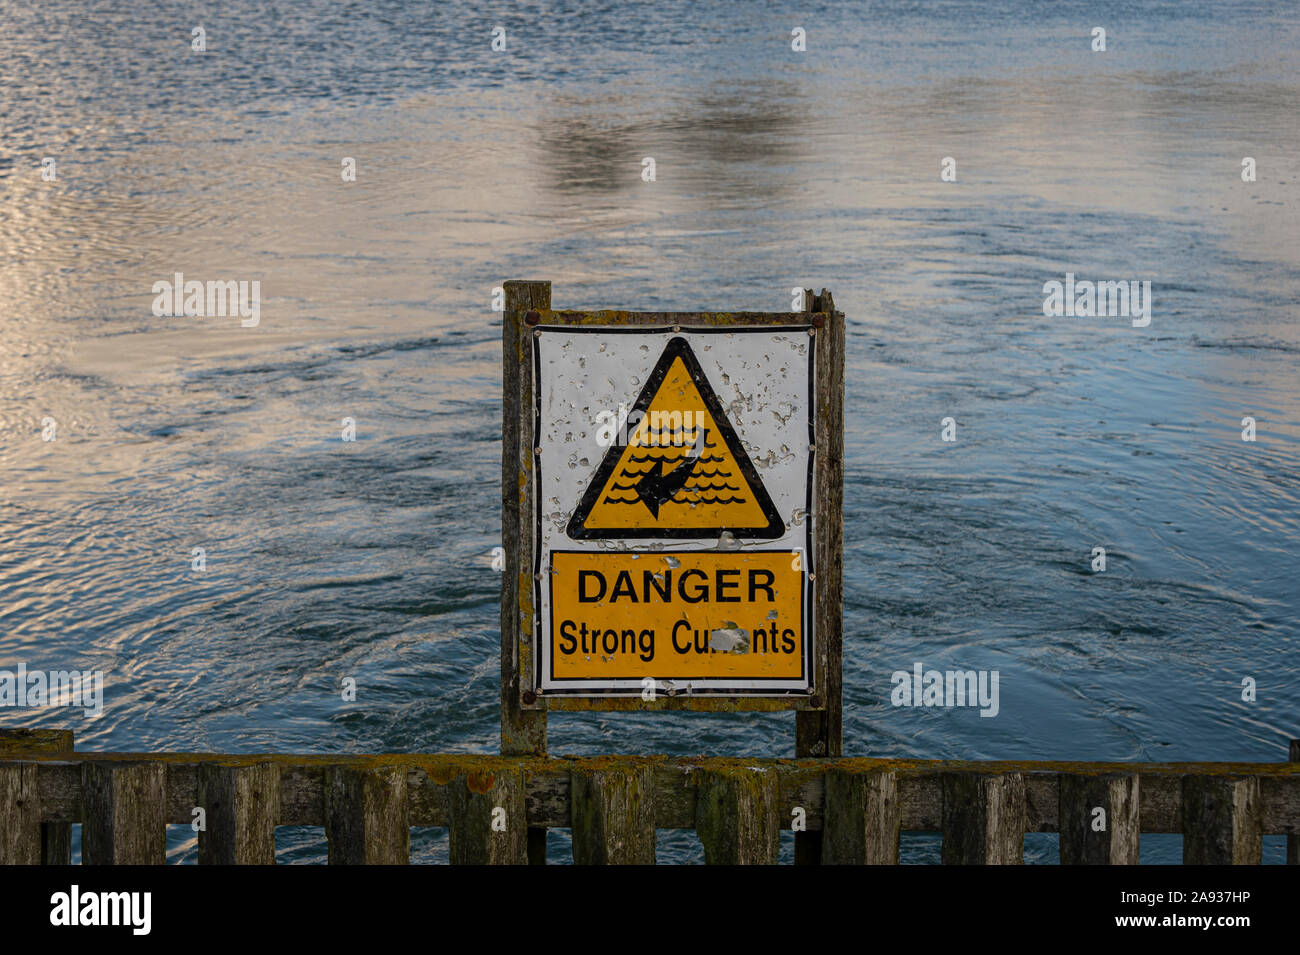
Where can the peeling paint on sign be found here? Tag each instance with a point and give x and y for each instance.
(674, 477)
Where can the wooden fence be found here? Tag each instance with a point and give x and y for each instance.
(613, 805)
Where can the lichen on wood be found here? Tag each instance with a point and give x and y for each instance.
(736, 816)
(613, 816)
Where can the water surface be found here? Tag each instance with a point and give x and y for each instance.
(371, 559)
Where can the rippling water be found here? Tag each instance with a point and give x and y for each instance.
(371, 559)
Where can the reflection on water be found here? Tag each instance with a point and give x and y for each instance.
(371, 559)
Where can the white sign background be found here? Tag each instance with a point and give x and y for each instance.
(763, 378)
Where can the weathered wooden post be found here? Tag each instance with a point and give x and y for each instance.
(613, 816)
(860, 823)
(20, 815)
(124, 813)
(1221, 820)
(668, 548)
(983, 819)
(1293, 840)
(487, 819)
(366, 816)
(819, 731)
(736, 817)
(523, 731)
(20, 803)
(1098, 816)
(241, 806)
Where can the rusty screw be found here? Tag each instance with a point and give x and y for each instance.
(529, 697)
(818, 320)
(816, 702)
(531, 317)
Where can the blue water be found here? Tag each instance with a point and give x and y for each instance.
(371, 559)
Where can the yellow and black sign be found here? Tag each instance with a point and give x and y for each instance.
(678, 615)
(682, 472)
(677, 563)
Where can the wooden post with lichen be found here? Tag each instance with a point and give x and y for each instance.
(1109, 837)
(241, 806)
(860, 823)
(983, 818)
(20, 803)
(523, 731)
(1293, 840)
(124, 813)
(1221, 820)
(612, 816)
(19, 741)
(737, 816)
(366, 816)
(819, 732)
(487, 820)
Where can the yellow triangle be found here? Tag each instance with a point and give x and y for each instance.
(643, 490)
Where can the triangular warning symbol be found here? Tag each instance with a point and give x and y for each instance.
(682, 471)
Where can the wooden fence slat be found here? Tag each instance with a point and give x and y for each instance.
(125, 814)
(860, 820)
(56, 843)
(20, 815)
(1221, 821)
(613, 816)
(56, 837)
(1109, 837)
(983, 819)
(1293, 842)
(488, 822)
(35, 741)
(242, 806)
(737, 816)
(366, 818)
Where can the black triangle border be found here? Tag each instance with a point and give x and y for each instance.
(677, 348)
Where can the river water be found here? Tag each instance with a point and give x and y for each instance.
(371, 559)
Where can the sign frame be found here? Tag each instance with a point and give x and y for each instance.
(524, 708)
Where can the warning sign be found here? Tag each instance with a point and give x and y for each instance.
(682, 472)
(684, 615)
(673, 475)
